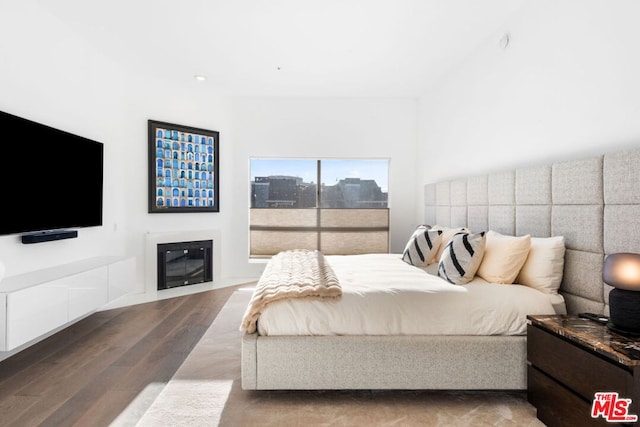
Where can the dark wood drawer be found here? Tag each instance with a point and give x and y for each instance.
(581, 371)
(555, 404)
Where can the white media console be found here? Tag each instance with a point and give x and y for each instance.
(36, 304)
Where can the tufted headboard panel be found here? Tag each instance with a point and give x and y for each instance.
(594, 203)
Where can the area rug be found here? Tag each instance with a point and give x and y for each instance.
(206, 391)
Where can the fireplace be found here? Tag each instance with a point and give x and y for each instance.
(184, 263)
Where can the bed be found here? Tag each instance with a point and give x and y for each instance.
(593, 203)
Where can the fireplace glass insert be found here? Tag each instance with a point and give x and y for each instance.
(184, 263)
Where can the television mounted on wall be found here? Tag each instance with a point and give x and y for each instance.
(53, 180)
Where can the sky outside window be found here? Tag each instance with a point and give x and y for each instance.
(332, 170)
(305, 169)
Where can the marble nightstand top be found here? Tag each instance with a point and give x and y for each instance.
(593, 335)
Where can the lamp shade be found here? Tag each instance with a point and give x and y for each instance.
(622, 271)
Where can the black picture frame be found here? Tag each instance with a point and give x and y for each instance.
(184, 168)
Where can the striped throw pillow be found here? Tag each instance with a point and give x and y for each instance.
(422, 246)
(462, 257)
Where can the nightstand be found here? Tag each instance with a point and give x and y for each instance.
(570, 359)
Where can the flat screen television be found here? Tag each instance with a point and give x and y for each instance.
(52, 179)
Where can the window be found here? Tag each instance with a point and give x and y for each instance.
(347, 213)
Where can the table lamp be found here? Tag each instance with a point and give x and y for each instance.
(622, 271)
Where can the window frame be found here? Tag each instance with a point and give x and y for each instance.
(320, 230)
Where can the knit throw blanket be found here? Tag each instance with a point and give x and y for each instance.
(291, 274)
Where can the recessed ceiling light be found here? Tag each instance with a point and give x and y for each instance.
(200, 77)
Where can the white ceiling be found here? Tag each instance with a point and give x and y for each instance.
(339, 48)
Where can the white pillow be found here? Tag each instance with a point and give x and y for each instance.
(422, 246)
(544, 266)
(447, 235)
(503, 258)
(461, 258)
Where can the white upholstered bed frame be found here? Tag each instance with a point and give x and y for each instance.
(593, 202)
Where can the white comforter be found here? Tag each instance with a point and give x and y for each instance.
(383, 295)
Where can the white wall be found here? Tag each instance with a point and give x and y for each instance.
(51, 76)
(287, 127)
(334, 128)
(566, 87)
(189, 105)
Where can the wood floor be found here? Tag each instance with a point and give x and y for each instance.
(87, 374)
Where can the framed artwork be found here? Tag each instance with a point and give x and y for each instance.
(183, 168)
